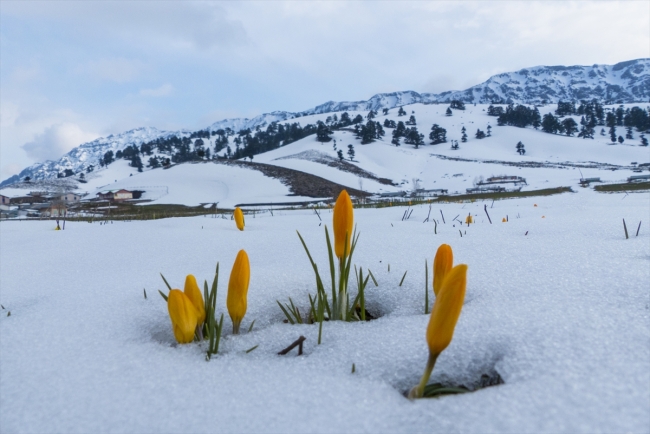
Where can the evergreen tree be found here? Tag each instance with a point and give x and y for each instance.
(644, 141)
(448, 112)
(457, 104)
(463, 138)
(621, 139)
(537, 119)
(411, 121)
(438, 134)
(385, 111)
(345, 119)
(565, 108)
(401, 112)
(371, 115)
(550, 124)
(570, 126)
(620, 113)
(413, 137)
(153, 162)
(489, 131)
(612, 133)
(628, 134)
(602, 131)
(339, 153)
(357, 119)
(454, 144)
(323, 132)
(351, 152)
(494, 111)
(108, 158)
(520, 148)
(480, 134)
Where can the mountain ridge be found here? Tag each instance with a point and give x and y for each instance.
(623, 82)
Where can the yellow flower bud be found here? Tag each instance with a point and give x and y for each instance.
(446, 310)
(442, 264)
(238, 290)
(239, 218)
(183, 315)
(342, 221)
(469, 219)
(503, 220)
(194, 294)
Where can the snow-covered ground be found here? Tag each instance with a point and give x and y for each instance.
(557, 304)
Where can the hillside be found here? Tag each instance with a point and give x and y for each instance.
(625, 82)
(315, 170)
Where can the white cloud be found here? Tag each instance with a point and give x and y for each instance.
(163, 90)
(56, 140)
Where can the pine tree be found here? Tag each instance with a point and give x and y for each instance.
(612, 133)
(644, 141)
(411, 121)
(602, 131)
(448, 112)
(371, 115)
(520, 148)
(480, 134)
(629, 135)
(537, 118)
(401, 112)
(570, 126)
(351, 152)
(463, 138)
(339, 153)
(621, 139)
(437, 134)
(489, 131)
(323, 132)
(413, 137)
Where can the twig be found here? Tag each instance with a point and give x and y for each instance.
(443, 217)
(625, 228)
(297, 343)
(637, 229)
(318, 214)
(485, 208)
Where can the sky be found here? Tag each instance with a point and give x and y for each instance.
(73, 71)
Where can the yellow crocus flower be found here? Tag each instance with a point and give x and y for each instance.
(194, 294)
(238, 290)
(239, 218)
(442, 322)
(469, 219)
(503, 220)
(183, 316)
(442, 264)
(343, 220)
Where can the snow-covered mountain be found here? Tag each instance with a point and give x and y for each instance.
(624, 82)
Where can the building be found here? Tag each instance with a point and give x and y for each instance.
(70, 198)
(115, 195)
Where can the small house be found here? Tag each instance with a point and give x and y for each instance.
(70, 198)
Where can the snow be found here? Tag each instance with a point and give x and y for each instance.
(561, 314)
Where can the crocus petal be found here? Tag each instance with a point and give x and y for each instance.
(343, 220)
(194, 294)
(238, 289)
(442, 264)
(183, 316)
(239, 218)
(446, 309)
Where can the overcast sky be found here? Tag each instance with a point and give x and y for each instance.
(73, 71)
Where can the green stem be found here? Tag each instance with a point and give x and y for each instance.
(418, 391)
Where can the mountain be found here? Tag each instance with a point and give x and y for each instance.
(624, 82)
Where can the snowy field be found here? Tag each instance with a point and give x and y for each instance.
(560, 314)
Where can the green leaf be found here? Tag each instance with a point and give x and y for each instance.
(251, 327)
(166, 283)
(285, 312)
(403, 277)
(373, 278)
(251, 349)
(162, 294)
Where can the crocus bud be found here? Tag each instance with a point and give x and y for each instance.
(342, 222)
(469, 219)
(238, 290)
(446, 310)
(194, 294)
(239, 218)
(442, 264)
(503, 220)
(183, 315)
